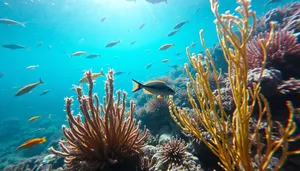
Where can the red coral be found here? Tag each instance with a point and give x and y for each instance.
(283, 43)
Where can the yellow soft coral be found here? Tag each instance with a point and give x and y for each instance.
(233, 151)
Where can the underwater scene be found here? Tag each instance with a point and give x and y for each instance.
(149, 85)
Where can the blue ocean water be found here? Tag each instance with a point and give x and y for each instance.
(68, 26)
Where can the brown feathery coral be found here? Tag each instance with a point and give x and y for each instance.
(174, 156)
(282, 43)
(108, 135)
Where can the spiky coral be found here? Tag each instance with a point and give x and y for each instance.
(107, 136)
(282, 43)
(235, 152)
(174, 156)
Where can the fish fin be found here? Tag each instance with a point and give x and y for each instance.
(147, 91)
(43, 140)
(154, 81)
(166, 1)
(136, 86)
(40, 81)
(101, 72)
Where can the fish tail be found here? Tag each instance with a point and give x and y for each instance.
(40, 81)
(119, 41)
(136, 86)
(43, 140)
(23, 24)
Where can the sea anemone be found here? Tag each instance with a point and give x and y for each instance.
(108, 137)
(174, 156)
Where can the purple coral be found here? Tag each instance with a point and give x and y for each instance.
(283, 43)
(108, 135)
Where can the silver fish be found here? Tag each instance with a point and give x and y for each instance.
(149, 65)
(142, 26)
(14, 46)
(103, 19)
(45, 92)
(133, 42)
(9, 21)
(180, 24)
(157, 1)
(113, 43)
(26, 89)
(166, 46)
(79, 53)
(93, 56)
(173, 32)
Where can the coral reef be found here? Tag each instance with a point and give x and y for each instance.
(108, 138)
(231, 139)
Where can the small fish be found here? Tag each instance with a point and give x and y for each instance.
(165, 60)
(156, 87)
(45, 92)
(9, 21)
(157, 1)
(91, 56)
(174, 66)
(1, 74)
(32, 142)
(14, 46)
(178, 54)
(39, 44)
(31, 67)
(113, 43)
(193, 44)
(133, 42)
(50, 116)
(103, 19)
(196, 10)
(94, 76)
(142, 26)
(79, 53)
(34, 118)
(180, 24)
(272, 1)
(149, 65)
(49, 47)
(148, 50)
(166, 46)
(41, 129)
(172, 33)
(26, 89)
(119, 73)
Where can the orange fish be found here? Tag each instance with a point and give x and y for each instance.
(32, 142)
(33, 118)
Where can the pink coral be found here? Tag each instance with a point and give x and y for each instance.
(283, 43)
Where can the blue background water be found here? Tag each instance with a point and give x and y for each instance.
(75, 25)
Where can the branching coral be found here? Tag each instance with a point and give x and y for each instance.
(108, 135)
(282, 43)
(235, 151)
